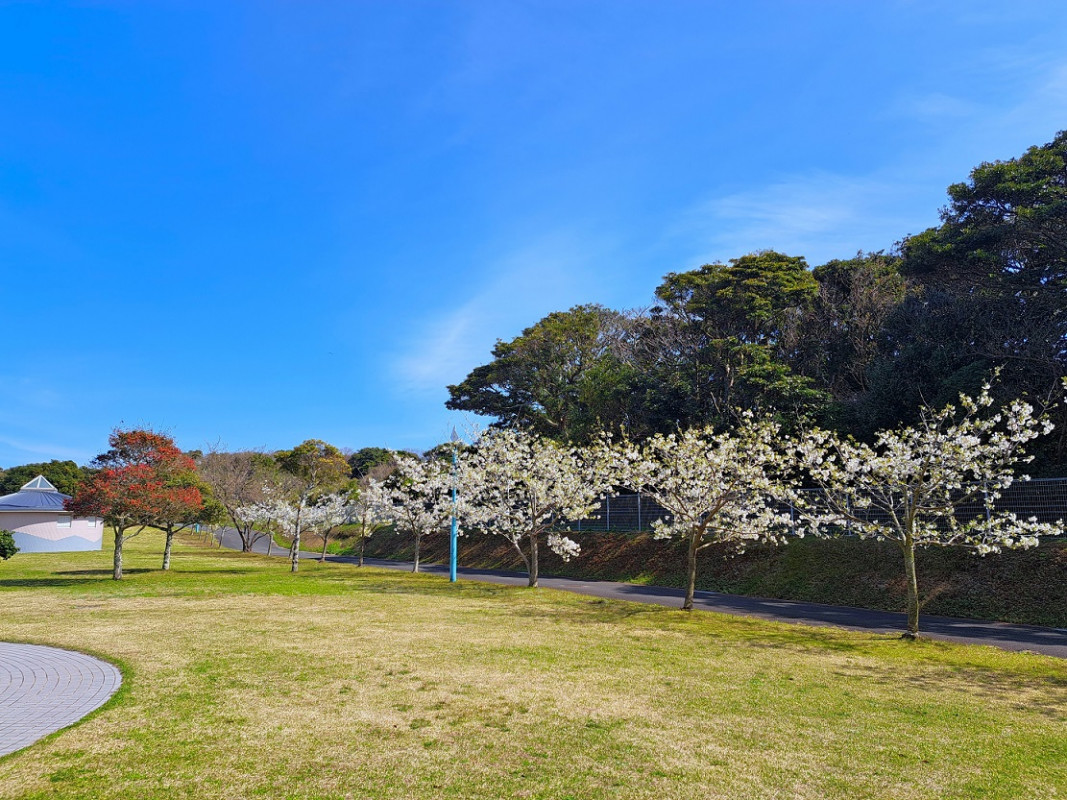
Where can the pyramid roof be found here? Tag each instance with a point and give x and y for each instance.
(37, 495)
(39, 484)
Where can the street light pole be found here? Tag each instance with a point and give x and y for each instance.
(453, 537)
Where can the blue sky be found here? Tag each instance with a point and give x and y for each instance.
(257, 223)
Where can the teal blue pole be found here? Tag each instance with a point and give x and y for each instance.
(452, 539)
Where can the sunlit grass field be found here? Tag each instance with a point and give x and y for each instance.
(242, 680)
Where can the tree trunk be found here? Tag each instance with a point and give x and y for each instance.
(908, 546)
(691, 570)
(270, 542)
(294, 553)
(362, 546)
(418, 548)
(117, 574)
(248, 539)
(166, 549)
(325, 541)
(533, 561)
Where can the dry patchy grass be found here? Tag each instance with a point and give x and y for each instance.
(244, 681)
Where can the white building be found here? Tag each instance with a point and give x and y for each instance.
(35, 515)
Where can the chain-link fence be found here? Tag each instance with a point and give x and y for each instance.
(622, 512)
(1044, 498)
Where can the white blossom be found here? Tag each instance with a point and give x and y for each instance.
(935, 483)
(372, 510)
(420, 498)
(716, 487)
(521, 487)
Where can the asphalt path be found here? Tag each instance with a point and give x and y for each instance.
(1007, 636)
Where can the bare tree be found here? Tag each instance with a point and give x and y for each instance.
(239, 481)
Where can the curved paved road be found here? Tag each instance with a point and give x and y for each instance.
(45, 689)
(1007, 636)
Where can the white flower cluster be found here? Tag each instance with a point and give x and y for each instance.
(295, 515)
(420, 497)
(717, 487)
(372, 506)
(934, 483)
(918, 485)
(566, 548)
(520, 486)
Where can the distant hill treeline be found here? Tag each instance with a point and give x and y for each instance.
(64, 475)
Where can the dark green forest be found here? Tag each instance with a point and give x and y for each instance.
(64, 475)
(857, 344)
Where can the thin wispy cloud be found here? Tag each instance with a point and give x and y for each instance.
(822, 214)
(48, 450)
(31, 394)
(819, 215)
(550, 274)
(934, 106)
(1019, 103)
(438, 353)
(1041, 113)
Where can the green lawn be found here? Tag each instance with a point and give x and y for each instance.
(245, 681)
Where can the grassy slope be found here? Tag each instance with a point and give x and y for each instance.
(246, 681)
(1021, 586)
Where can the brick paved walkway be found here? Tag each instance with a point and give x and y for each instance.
(43, 689)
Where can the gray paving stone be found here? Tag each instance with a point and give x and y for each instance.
(45, 689)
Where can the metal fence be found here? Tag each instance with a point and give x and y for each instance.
(622, 512)
(1044, 498)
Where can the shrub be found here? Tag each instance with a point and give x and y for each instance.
(7, 545)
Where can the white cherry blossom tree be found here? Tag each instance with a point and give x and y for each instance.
(716, 487)
(522, 487)
(240, 482)
(316, 468)
(294, 515)
(421, 499)
(328, 514)
(257, 519)
(372, 511)
(931, 484)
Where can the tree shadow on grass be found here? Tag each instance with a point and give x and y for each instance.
(156, 570)
(79, 577)
(576, 608)
(587, 609)
(33, 583)
(726, 629)
(108, 572)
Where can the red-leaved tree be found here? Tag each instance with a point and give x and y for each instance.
(182, 502)
(138, 484)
